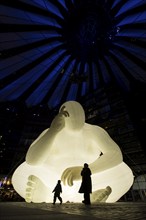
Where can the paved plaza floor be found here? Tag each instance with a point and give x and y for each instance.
(70, 211)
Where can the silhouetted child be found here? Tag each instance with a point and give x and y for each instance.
(57, 190)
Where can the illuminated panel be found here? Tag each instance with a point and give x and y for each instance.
(60, 152)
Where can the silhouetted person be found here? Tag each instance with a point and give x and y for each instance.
(86, 185)
(57, 190)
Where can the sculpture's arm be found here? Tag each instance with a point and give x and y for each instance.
(39, 149)
(111, 153)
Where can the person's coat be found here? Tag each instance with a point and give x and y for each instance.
(86, 185)
(57, 190)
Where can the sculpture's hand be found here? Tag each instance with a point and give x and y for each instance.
(58, 122)
(71, 174)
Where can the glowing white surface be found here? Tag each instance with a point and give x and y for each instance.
(60, 152)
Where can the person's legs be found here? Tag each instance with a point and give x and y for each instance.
(60, 199)
(54, 200)
(87, 198)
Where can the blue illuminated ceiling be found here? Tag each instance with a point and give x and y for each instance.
(57, 50)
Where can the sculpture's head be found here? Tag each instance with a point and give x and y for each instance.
(76, 118)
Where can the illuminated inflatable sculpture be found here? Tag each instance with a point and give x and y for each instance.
(60, 152)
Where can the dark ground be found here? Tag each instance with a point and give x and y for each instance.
(44, 211)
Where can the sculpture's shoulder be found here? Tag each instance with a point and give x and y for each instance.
(94, 128)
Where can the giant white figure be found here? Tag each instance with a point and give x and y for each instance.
(60, 152)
